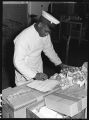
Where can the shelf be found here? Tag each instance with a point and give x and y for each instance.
(71, 28)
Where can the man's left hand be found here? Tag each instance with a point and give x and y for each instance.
(64, 66)
(61, 67)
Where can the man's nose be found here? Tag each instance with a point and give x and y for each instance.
(46, 33)
(49, 31)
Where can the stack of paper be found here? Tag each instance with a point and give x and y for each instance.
(43, 86)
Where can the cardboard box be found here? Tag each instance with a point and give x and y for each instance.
(40, 110)
(29, 113)
(16, 108)
(68, 104)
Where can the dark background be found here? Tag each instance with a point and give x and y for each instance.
(15, 20)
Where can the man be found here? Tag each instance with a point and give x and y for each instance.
(28, 47)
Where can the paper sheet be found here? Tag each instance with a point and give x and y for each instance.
(43, 86)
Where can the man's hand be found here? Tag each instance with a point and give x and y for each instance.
(41, 76)
(64, 66)
(61, 67)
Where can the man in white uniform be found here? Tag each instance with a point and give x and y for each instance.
(28, 47)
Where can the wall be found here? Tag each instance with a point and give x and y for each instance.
(14, 21)
(36, 7)
(16, 12)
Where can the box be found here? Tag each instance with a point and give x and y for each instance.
(33, 111)
(16, 108)
(68, 104)
(29, 113)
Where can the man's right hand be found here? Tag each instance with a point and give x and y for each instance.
(41, 76)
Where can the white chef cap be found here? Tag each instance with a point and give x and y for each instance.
(50, 17)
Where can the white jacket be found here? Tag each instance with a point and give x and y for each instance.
(28, 46)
